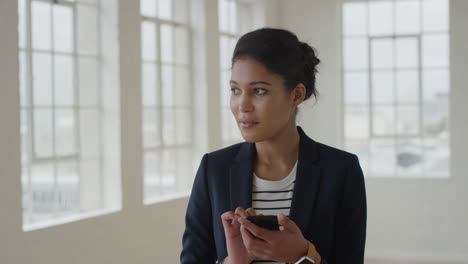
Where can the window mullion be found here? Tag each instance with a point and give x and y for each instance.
(54, 134)
(29, 89)
(76, 106)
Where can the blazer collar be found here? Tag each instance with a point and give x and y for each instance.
(306, 185)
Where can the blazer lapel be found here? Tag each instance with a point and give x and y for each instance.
(307, 182)
(240, 177)
(306, 185)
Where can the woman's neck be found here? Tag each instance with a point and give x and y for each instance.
(282, 150)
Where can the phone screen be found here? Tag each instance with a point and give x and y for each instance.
(265, 221)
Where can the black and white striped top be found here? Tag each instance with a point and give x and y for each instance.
(273, 197)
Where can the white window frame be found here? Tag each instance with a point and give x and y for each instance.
(370, 70)
(182, 181)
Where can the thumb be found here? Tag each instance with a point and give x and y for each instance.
(287, 223)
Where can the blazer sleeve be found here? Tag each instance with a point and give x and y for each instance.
(350, 235)
(198, 244)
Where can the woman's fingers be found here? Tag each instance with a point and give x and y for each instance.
(228, 217)
(239, 212)
(250, 211)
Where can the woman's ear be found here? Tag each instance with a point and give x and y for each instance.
(298, 94)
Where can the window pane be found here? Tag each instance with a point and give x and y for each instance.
(356, 88)
(88, 81)
(244, 18)
(407, 17)
(151, 124)
(165, 9)
(90, 134)
(232, 6)
(148, 7)
(383, 91)
(22, 32)
(223, 15)
(63, 28)
(182, 87)
(354, 19)
(87, 30)
(152, 179)
(225, 88)
(409, 157)
(184, 125)
(357, 122)
(437, 156)
(91, 2)
(42, 82)
(42, 185)
(68, 188)
(65, 141)
(43, 135)
(41, 25)
(25, 138)
(380, 18)
(168, 124)
(435, 85)
(167, 85)
(149, 78)
(382, 53)
(407, 86)
(148, 41)
(63, 89)
(435, 50)
(436, 118)
(167, 37)
(435, 15)
(181, 45)
(382, 157)
(225, 52)
(406, 52)
(383, 119)
(355, 53)
(168, 170)
(408, 120)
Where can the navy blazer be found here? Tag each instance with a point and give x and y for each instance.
(328, 205)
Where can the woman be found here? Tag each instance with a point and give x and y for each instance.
(316, 191)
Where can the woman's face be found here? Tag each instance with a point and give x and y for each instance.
(260, 102)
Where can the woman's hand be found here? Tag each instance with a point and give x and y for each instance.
(237, 253)
(286, 245)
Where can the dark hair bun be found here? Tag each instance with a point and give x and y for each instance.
(282, 53)
(311, 61)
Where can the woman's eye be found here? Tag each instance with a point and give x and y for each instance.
(260, 91)
(235, 90)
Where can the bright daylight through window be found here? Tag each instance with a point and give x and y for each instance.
(397, 86)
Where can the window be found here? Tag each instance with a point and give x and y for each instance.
(68, 167)
(167, 97)
(397, 86)
(234, 20)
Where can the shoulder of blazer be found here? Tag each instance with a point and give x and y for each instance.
(316, 151)
(231, 153)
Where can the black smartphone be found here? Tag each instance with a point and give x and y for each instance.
(265, 221)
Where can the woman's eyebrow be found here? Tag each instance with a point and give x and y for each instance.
(253, 83)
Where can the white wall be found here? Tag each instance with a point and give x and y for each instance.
(424, 220)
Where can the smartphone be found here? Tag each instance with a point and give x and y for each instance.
(265, 221)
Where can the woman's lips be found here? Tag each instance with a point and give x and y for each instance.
(247, 124)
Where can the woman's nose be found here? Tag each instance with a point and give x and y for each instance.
(245, 103)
